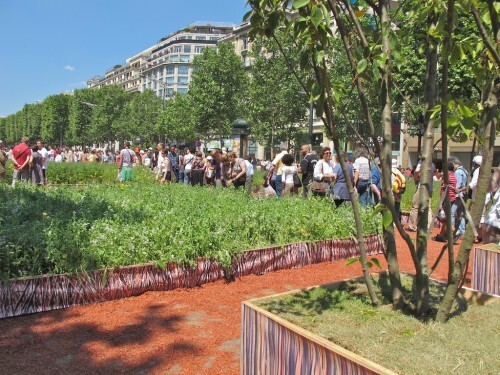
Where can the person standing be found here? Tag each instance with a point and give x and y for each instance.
(21, 154)
(412, 224)
(323, 171)
(186, 165)
(491, 225)
(36, 163)
(249, 174)
(476, 167)
(307, 168)
(3, 161)
(340, 189)
(127, 157)
(173, 157)
(362, 179)
(277, 165)
(458, 207)
(45, 161)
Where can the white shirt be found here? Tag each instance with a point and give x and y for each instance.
(322, 168)
(362, 165)
(288, 172)
(59, 158)
(249, 168)
(45, 155)
(473, 182)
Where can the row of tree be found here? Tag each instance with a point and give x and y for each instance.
(221, 90)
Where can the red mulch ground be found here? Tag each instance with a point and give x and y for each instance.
(188, 331)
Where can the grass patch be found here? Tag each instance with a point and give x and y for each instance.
(467, 344)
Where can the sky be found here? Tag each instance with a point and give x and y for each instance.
(52, 46)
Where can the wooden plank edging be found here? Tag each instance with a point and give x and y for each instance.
(49, 292)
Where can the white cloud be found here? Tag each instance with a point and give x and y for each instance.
(69, 67)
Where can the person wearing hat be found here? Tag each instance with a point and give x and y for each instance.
(397, 182)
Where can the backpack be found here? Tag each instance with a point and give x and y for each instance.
(399, 183)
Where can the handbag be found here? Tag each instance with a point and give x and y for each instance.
(318, 187)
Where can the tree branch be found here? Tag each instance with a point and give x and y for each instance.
(484, 35)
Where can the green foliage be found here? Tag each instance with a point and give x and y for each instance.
(217, 90)
(177, 121)
(277, 103)
(106, 225)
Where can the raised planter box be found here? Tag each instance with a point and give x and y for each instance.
(50, 292)
(272, 345)
(486, 269)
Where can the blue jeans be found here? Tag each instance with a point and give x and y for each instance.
(364, 193)
(279, 186)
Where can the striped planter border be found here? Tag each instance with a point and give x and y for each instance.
(272, 345)
(486, 269)
(50, 292)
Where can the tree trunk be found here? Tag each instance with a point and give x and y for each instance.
(422, 269)
(460, 266)
(447, 45)
(386, 161)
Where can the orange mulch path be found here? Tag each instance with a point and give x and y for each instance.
(185, 331)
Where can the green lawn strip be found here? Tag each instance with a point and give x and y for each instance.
(61, 229)
(467, 344)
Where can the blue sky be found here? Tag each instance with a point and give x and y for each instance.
(51, 46)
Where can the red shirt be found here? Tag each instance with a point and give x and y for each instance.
(21, 152)
(451, 189)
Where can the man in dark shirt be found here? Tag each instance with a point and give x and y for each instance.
(307, 168)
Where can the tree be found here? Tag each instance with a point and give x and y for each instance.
(55, 118)
(143, 112)
(108, 116)
(80, 118)
(177, 122)
(277, 103)
(217, 90)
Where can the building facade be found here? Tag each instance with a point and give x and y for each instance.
(165, 67)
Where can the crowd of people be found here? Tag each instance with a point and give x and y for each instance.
(317, 175)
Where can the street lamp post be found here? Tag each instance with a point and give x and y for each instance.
(163, 84)
(240, 127)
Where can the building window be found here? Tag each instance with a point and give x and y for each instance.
(183, 69)
(176, 49)
(198, 49)
(170, 69)
(182, 90)
(184, 58)
(187, 48)
(201, 38)
(170, 80)
(170, 92)
(174, 58)
(214, 38)
(182, 79)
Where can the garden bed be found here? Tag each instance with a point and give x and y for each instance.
(331, 328)
(50, 292)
